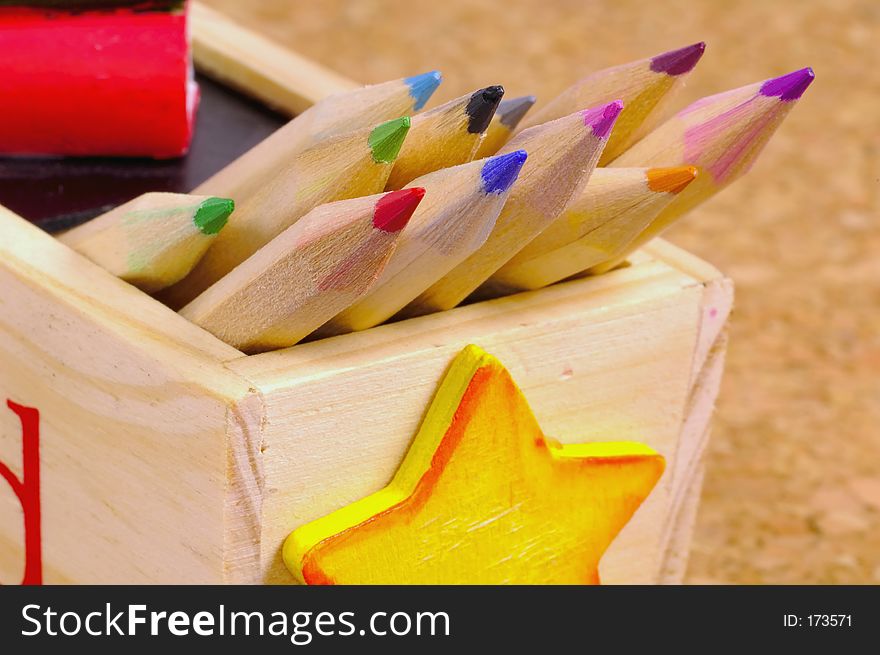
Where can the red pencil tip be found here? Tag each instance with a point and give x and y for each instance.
(394, 209)
(678, 62)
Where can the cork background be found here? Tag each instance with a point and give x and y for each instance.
(792, 493)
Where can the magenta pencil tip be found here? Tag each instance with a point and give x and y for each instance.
(602, 118)
(790, 86)
(678, 62)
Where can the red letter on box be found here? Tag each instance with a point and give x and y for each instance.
(28, 490)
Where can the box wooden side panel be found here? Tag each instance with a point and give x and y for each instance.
(600, 359)
(689, 468)
(243, 505)
(133, 407)
(677, 553)
(252, 63)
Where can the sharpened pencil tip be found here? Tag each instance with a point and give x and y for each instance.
(422, 87)
(212, 214)
(385, 139)
(678, 62)
(394, 209)
(671, 180)
(790, 86)
(499, 173)
(602, 118)
(511, 112)
(481, 107)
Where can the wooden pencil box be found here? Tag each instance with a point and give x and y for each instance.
(139, 448)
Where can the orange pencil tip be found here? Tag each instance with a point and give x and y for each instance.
(671, 180)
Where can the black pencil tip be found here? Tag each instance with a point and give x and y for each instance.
(481, 107)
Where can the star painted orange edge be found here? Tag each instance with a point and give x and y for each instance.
(420, 469)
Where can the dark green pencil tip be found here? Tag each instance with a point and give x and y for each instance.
(212, 215)
(481, 107)
(385, 139)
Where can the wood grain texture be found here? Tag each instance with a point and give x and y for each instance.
(505, 121)
(481, 497)
(597, 225)
(341, 167)
(638, 329)
(439, 138)
(249, 61)
(304, 276)
(562, 155)
(133, 404)
(721, 134)
(152, 241)
(205, 513)
(764, 519)
(617, 273)
(645, 92)
(455, 219)
(360, 108)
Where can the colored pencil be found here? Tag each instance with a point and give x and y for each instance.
(503, 123)
(461, 206)
(345, 166)
(645, 87)
(83, 5)
(335, 115)
(562, 155)
(445, 136)
(721, 134)
(616, 205)
(93, 77)
(154, 240)
(307, 274)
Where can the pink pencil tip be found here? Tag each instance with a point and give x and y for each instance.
(601, 119)
(678, 62)
(790, 86)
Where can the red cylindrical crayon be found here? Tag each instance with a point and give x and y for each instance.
(96, 78)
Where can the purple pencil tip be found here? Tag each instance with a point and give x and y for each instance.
(678, 62)
(602, 118)
(789, 87)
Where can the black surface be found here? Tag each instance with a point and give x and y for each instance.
(56, 193)
(425, 619)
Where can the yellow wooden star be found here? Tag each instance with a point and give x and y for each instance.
(482, 497)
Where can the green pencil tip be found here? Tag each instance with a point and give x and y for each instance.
(212, 215)
(385, 139)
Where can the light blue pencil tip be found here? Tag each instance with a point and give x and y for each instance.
(422, 87)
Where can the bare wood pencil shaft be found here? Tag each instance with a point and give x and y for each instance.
(154, 240)
(598, 225)
(562, 154)
(459, 211)
(303, 277)
(347, 166)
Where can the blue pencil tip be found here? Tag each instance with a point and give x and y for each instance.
(499, 173)
(421, 87)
